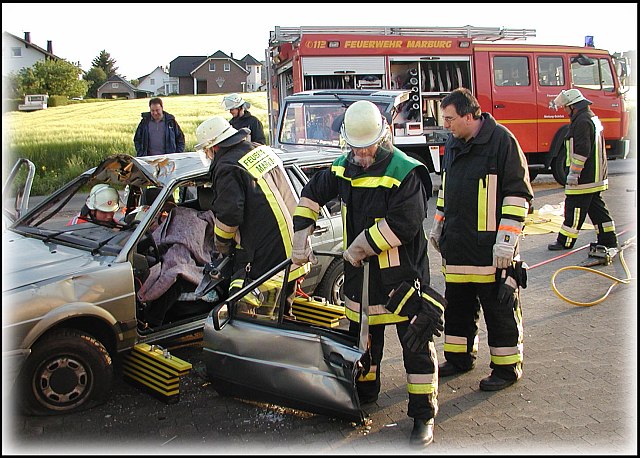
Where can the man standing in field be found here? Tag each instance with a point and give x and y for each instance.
(158, 132)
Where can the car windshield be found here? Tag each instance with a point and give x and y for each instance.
(313, 123)
(64, 216)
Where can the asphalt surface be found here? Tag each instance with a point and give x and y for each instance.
(578, 394)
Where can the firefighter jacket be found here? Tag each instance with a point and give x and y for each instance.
(586, 153)
(388, 203)
(485, 189)
(252, 123)
(253, 203)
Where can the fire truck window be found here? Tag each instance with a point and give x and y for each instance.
(511, 71)
(607, 76)
(586, 76)
(550, 71)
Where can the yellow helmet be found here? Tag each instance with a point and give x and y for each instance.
(363, 124)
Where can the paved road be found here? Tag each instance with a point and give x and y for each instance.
(578, 394)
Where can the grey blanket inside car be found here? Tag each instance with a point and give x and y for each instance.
(187, 237)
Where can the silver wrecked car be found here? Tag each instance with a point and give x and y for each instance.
(70, 302)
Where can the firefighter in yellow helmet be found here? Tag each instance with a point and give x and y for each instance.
(587, 177)
(253, 205)
(384, 195)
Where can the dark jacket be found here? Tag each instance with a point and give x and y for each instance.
(388, 202)
(483, 181)
(586, 151)
(253, 124)
(253, 203)
(173, 138)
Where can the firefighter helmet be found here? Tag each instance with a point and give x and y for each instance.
(104, 198)
(232, 101)
(212, 131)
(569, 97)
(363, 124)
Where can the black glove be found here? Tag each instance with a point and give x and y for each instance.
(427, 323)
(510, 280)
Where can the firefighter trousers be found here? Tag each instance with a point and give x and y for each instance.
(576, 209)
(504, 328)
(422, 380)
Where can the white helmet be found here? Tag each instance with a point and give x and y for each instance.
(363, 124)
(213, 131)
(569, 97)
(232, 101)
(104, 198)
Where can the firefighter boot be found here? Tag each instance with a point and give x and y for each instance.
(495, 383)
(422, 433)
(447, 369)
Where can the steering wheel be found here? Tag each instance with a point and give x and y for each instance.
(148, 247)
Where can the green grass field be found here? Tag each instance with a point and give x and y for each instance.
(65, 141)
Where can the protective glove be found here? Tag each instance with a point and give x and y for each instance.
(427, 323)
(301, 251)
(436, 231)
(222, 246)
(510, 280)
(505, 246)
(572, 179)
(358, 251)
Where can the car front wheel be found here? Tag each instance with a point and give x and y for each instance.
(331, 286)
(67, 371)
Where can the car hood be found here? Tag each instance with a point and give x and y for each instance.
(30, 261)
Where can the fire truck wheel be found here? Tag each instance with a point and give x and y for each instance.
(332, 283)
(67, 371)
(559, 167)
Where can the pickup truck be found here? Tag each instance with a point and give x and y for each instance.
(309, 121)
(34, 102)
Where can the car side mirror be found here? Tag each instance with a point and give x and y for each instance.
(220, 316)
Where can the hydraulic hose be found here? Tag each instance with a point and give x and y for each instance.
(616, 281)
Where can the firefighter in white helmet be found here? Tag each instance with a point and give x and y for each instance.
(100, 207)
(587, 178)
(253, 210)
(385, 195)
(242, 117)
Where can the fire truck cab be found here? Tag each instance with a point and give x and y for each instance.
(513, 82)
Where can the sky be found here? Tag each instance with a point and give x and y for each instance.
(141, 37)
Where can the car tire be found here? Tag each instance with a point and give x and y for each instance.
(331, 286)
(67, 371)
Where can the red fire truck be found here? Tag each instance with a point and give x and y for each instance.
(515, 82)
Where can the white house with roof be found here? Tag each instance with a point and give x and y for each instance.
(19, 53)
(158, 82)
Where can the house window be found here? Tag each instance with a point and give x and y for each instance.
(115, 85)
(152, 82)
(212, 66)
(257, 70)
(227, 67)
(16, 52)
(175, 88)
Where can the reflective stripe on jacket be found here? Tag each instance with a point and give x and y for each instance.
(485, 189)
(253, 204)
(586, 153)
(388, 203)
